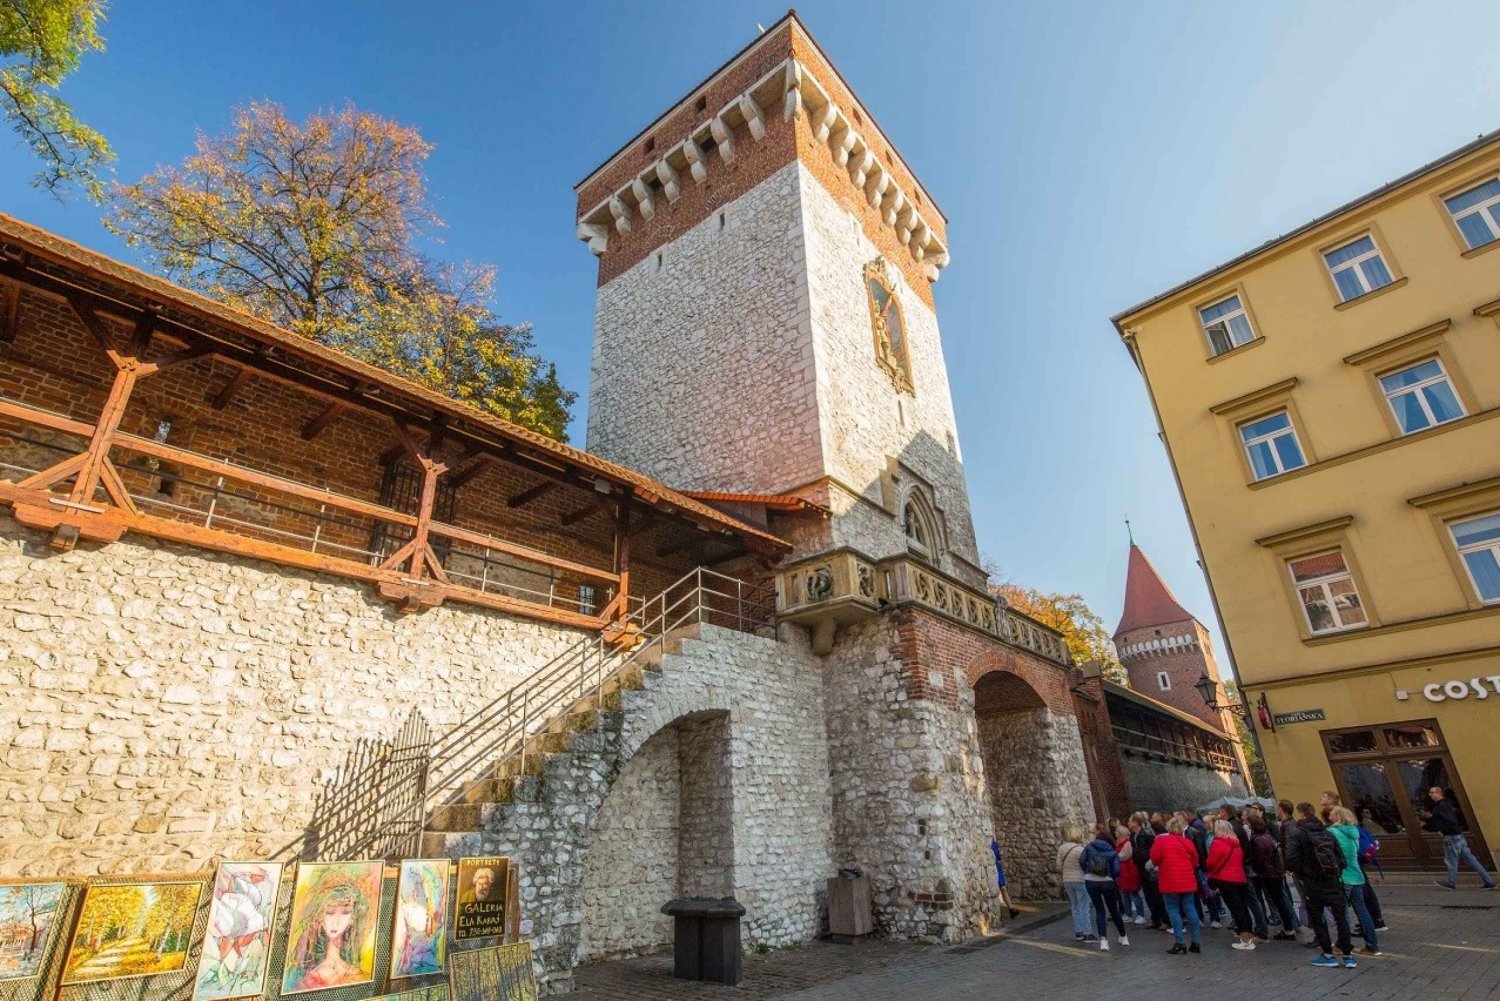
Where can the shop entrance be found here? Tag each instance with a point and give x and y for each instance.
(1383, 773)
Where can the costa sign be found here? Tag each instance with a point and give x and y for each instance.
(1448, 691)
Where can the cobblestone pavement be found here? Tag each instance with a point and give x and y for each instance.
(1441, 946)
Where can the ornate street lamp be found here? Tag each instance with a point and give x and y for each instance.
(1209, 689)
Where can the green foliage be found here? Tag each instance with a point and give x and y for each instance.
(313, 226)
(1080, 625)
(42, 41)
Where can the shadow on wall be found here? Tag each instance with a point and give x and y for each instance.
(375, 806)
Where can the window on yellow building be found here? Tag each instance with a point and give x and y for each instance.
(1271, 445)
(1325, 589)
(1357, 268)
(1476, 213)
(1226, 323)
(1478, 542)
(1421, 396)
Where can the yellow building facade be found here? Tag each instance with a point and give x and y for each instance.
(1330, 402)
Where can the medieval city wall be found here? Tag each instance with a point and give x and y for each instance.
(167, 705)
(702, 371)
(864, 420)
(1172, 785)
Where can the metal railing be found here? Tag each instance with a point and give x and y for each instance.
(480, 747)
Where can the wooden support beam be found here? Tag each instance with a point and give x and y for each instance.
(152, 366)
(480, 464)
(97, 453)
(140, 338)
(686, 542)
(588, 510)
(532, 493)
(316, 426)
(96, 328)
(645, 522)
(10, 311)
(622, 557)
(234, 385)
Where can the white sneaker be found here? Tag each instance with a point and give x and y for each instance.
(1217, 924)
(1140, 919)
(1104, 945)
(1124, 939)
(1245, 946)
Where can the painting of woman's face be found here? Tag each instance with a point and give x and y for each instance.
(332, 939)
(336, 919)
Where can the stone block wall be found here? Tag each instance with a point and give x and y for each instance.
(1172, 785)
(166, 705)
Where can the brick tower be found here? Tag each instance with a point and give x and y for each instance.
(1163, 647)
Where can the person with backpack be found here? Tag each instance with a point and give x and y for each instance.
(1346, 832)
(1314, 857)
(1101, 868)
(1176, 862)
(1369, 857)
(1226, 873)
(1270, 874)
(1070, 865)
(1442, 818)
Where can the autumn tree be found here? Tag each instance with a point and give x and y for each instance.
(316, 226)
(41, 42)
(1080, 625)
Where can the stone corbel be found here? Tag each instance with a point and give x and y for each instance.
(895, 201)
(668, 178)
(863, 164)
(793, 86)
(643, 199)
(907, 221)
(753, 117)
(843, 144)
(919, 238)
(824, 123)
(694, 154)
(875, 190)
(723, 137)
(597, 235)
(621, 212)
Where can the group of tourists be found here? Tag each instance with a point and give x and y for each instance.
(1292, 872)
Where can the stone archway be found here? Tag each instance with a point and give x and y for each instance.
(665, 829)
(1035, 773)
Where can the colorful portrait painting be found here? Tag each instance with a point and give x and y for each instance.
(28, 916)
(482, 883)
(421, 941)
(237, 943)
(132, 930)
(331, 940)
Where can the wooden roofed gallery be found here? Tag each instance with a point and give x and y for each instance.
(128, 404)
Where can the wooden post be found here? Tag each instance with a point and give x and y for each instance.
(622, 558)
(424, 516)
(97, 455)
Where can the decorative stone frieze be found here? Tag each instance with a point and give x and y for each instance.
(795, 90)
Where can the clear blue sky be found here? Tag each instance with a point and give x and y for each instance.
(1088, 155)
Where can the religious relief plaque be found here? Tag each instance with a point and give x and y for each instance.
(482, 884)
(503, 973)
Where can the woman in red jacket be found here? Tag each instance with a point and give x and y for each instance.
(1129, 882)
(1226, 873)
(1176, 861)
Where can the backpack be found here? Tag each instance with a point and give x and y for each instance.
(1328, 859)
(1369, 846)
(1099, 863)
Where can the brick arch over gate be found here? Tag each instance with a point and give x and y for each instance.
(1034, 768)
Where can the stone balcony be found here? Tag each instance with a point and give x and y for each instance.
(843, 586)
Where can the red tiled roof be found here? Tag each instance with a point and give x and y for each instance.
(1148, 600)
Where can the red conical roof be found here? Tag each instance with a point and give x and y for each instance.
(1148, 600)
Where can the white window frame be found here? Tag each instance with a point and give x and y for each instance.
(1487, 210)
(1416, 388)
(1246, 444)
(1224, 322)
(1324, 584)
(1163, 681)
(1357, 264)
(1492, 545)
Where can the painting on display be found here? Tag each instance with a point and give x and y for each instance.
(28, 917)
(481, 898)
(331, 939)
(237, 944)
(421, 940)
(504, 973)
(132, 930)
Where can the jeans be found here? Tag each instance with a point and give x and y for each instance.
(1157, 908)
(1356, 896)
(1318, 900)
(1103, 896)
(1180, 908)
(1455, 849)
(1133, 903)
(1372, 902)
(1237, 897)
(1286, 897)
(1078, 899)
(1273, 888)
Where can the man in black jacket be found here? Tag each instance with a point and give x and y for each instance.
(1442, 818)
(1142, 837)
(1315, 859)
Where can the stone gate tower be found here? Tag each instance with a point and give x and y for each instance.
(765, 337)
(765, 320)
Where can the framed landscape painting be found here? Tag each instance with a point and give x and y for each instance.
(135, 929)
(237, 943)
(421, 941)
(331, 940)
(28, 918)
